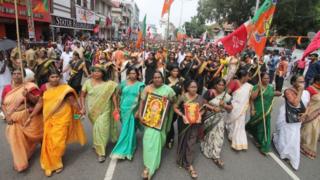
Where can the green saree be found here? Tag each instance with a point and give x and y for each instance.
(100, 108)
(256, 126)
(154, 140)
(129, 99)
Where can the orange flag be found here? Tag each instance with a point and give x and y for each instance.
(262, 23)
(139, 39)
(166, 7)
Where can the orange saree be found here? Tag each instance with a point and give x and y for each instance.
(23, 140)
(60, 128)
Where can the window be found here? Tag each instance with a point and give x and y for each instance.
(85, 3)
(79, 2)
(92, 5)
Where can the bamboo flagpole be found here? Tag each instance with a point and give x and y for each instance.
(19, 50)
(262, 102)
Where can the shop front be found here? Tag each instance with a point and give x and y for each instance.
(41, 19)
(62, 26)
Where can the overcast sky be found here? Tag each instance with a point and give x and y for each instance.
(153, 10)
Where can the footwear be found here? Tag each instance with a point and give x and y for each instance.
(193, 172)
(59, 170)
(48, 173)
(219, 163)
(101, 159)
(170, 144)
(145, 175)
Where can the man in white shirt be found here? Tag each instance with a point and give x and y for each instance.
(181, 55)
(66, 57)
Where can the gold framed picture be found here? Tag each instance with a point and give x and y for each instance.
(155, 110)
(192, 113)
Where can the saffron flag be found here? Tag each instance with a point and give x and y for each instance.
(261, 24)
(314, 45)
(181, 34)
(42, 7)
(96, 29)
(166, 7)
(142, 32)
(236, 41)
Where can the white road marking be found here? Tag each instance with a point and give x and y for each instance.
(111, 169)
(283, 166)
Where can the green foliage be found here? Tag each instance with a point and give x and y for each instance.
(292, 17)
(195, 28)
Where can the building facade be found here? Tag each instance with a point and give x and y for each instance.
(38, 15)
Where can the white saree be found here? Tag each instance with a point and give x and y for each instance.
(235, 120)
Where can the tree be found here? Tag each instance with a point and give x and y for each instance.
(297, 17)
(195, 27)
(292, 17)
(231, 11)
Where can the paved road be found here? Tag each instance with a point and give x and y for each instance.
(81, 164)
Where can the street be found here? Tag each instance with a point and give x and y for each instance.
(80, 163)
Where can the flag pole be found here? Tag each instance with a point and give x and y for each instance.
(18, 36)
(168, 25)
(18, 46)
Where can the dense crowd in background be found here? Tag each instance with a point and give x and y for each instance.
(108, 82)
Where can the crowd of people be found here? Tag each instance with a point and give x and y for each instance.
(109, 82)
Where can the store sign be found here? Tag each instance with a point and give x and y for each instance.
(85, 16)
(70, 23)
(40, 9)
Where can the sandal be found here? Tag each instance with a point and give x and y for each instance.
(145, 174)
(193, 173)
(59, 170)
(101, 159)
(48, 173)
(219, 163)
(170, 144)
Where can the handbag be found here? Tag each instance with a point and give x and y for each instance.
(292, 113)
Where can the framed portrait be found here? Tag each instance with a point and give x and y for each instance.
(192, 113)
(155, 110)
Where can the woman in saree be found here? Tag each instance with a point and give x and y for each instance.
(101, 97)
(76, 67)
(218, 103)
(311, 121)
(175, 82)
(256, 124)
(154, 139)
(62, 124)
(286, 138)
(188, 131)
(235, 121)
(23, 133)
(129, 102)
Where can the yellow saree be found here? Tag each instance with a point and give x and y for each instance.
(60, 128)
(23, 140)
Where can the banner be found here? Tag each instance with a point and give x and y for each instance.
(40, 10)
(85, 16)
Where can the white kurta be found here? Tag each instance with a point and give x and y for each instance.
(287, 135)
(5, 78)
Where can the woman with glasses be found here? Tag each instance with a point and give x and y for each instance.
(287, 136)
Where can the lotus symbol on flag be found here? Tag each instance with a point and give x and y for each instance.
(237, 42)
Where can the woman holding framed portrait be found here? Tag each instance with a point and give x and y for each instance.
(157, 94)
